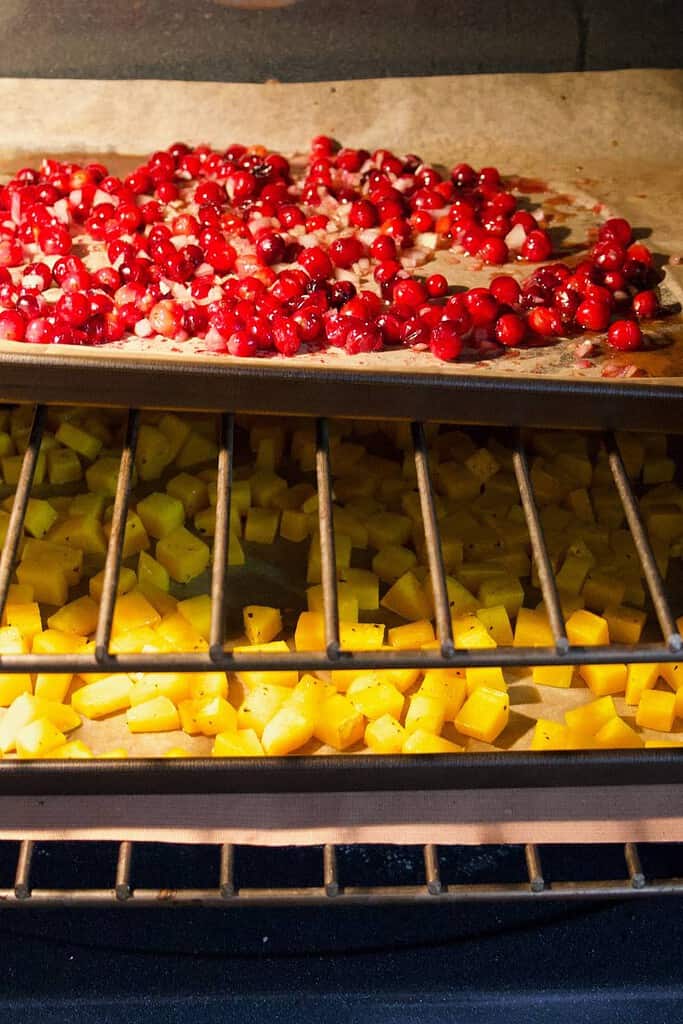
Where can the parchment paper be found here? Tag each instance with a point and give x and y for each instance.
(613, 137)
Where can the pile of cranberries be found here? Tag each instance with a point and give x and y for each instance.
(252, 255)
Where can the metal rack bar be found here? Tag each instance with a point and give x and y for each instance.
(643, 547)
(112, 565)
(540, 551)
(432, 534)
(15, 527)
(537, 888)
(222, 535)
(328, 558)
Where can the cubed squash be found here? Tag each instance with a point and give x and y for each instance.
(446, 685)
(289, 728)
(656, 710)
(422, 742)
(49, 553)
(174, 685)
(63, 467)
(603, 680)
(470, 633)
(373, 697)
(183, 555)
(347, 602)
(294, 526)
(385, 735)
(393, 561)
(179, 634)
(83, 532)
(104, 697)
(617, 734)
(559, 676)
(640, 677)
(584, 629)
(208, 684)
(484, 714)
(261, 525)
(215, 715)
(588, 719)
(135, 536)
(411, 636)
(279, 677)
(497, 623)
(151, 571)
(76, 750)
(408, 598)
(338, 724)
(191, 491)
(153, 452)
(549, 735)
(156, 715)
(259, 705)
(23, 617)
(507, 592)
(38, 738)
(125, 583)
(491, 677)
(532, 629)
(79, 617)
(342, 556)
(241, 743)
(625, 624)
(161, 514)
(261, 623)
(176, 430)
(425, 712)
(197, 611)
(364, 585)
(12, 685)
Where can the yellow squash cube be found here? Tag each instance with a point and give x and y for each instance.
(588, 719)
(426, 713)
(12, 685)
(49, 583)
(625, 624)
(179, 634)
(491, 677)
(76, 750)
(408, 598)
(79, 440)
(103, 475)
(23, 617)
(422, 742)
(208, 684)
(584, 629)
(497, 623)
(373, 697)
(88, 504)
(70, 560)
(38, 738)
(616, 735)
(469, 633)
(79, 617)
(191, 491)
(656, 710)
(183, 555)
(559, 676)
(672, 671)
(279, 677)
(197, 611)
(40, 517)
(532, 629)
(241, 743)
(151, 571)
(484, 714)
(215, 715)
(289, 728)
(156, 715)
(385, 735)
(365, 587)
(506, 591)
(393, 561)
(261, 623)
(161, 514)
(549, 735)
(446, 685)
(104, 697)
(604, 679)
(261, 525)
(63, 467)
(294, 526)
(259, 705)
(412, 636)
(83, 532)
(338, 724)
(640, 677)
(174, 685)
(347, 602)
(153, 454)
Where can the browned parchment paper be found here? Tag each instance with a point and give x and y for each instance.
(604, 142)
(613, 137)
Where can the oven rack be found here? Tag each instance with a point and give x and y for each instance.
(323, 884)
(668, 649)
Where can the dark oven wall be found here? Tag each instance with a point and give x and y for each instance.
(309, 40)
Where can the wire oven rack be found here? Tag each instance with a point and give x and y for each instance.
(324, 883)
(295, 774)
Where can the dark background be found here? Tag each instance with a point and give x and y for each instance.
(321, 40)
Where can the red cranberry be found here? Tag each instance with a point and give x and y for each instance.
(383, 248)
(645, 305)
(221, 256)
(640, 252)
(444, 341)
(537, 247)
(524, 218)
(344, 252)
(30, 306)
(166, 318)
(77, 280)
(481, 306)
(390, 325)
(409, 292)
(510, 329)
(592, 315)
(463, 176)
(74, 308)
(309, 322)
(625, 335)
(12, 326)
(54, 241)
(365, 338)
(315, 262)
(472, 239)
(505, 290)
(545, 322)
(436, 285)
(286, 336)
(341, 292)
(11, 253)
(195, 321)
(616, 229)
(493, 251)
(39, 331)
(608, 256)
(566, 302)
(270, 248)
(363, 214)
(415, 332)
(241, 343)
(614, 280)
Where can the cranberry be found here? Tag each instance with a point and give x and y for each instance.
(472, 239)
(344, 252)
(545, 322)
(608, 256)
(11, 253)
(645, 305)
(166, 318)
(74, 308)
(315, 262)
(463, 176)
(616, 229)
(421, 221)
(524, 218)
(566, 302)
(637, 274)
(510, 329)
(385, 272)
(166, 192)
(78, 280)
(390, 325)
(221, 256)
(625, 335)
(614, 280)
(54, 241)
(39, 331)
(436, 285)
(42, 276)
(365, 338)
(241, 343)
(444, 341)
(286, 336)
(409, 292)
(30, 306)
(383, 248)
(415, 332)
(505, 290)
(493, 251)
(481, 306)
(592, 315)
(12, 326)
(363, 214)
(537, 247)
(309, 322)
(640, 252)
